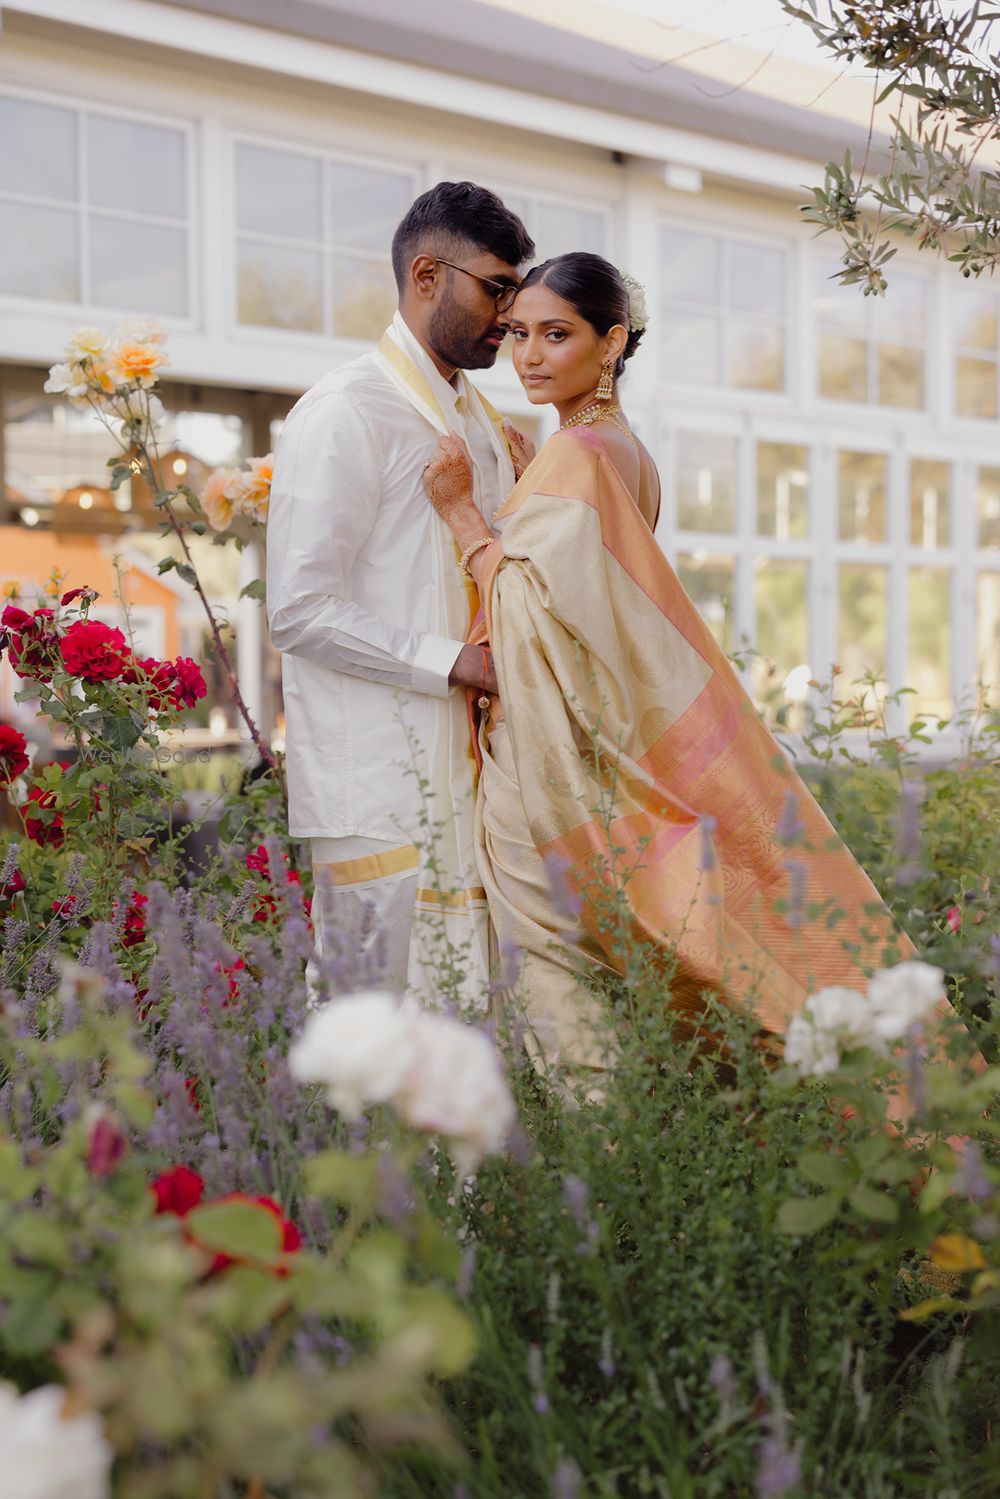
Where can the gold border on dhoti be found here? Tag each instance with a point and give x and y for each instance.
(371, 867)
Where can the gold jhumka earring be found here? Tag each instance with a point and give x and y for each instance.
(606, 384)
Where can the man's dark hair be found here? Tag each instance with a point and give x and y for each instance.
(453, 217)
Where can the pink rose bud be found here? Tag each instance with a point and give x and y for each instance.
(105, 1147)
(954, 918)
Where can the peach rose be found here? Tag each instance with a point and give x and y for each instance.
(136, 364)
(256, 488)
(218, 497)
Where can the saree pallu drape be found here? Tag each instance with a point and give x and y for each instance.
(642, 764)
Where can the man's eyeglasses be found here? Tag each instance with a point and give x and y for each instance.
(502, 292)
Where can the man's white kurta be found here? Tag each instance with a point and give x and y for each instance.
(350, 595)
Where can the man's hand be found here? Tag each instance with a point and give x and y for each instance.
(468, 669)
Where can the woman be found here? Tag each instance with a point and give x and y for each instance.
(623, 753)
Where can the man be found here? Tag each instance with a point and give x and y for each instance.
(369, 606)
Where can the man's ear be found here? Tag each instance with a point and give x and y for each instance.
(425, 277)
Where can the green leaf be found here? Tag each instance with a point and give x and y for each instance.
(449, 1332)
(119, 473)
(166, 564)
(121, 732)
(342, 1177)
(807, 1215)
(187, 572)
(934, 1193)
(254, 590)
(824, 1170)
(241, 1229)
(871, 1203)
(17, 1181)
(32, 1321)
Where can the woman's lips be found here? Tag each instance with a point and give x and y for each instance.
(534, 379)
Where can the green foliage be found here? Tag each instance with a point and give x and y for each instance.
(939, 59)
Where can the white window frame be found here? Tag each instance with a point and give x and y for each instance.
(325, 248)
(955, 350)
(733, 395)
(82, 210)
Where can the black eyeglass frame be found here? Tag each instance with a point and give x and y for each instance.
(504, 292)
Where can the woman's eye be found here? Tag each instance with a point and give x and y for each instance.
(517, 333)
(557, 334)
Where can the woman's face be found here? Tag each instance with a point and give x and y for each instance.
(557, 353)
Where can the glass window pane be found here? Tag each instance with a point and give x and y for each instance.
(843, 368)
(364, 297)
(976, 323)
(691, 349)
(756, 276)
(39, 255)
(988, 636)
(50, 447)
(928, 660)
(366, 205)
(839, 306)
(278, 192)
(709, 579)
(690, 267)
(559, 228)
(930, 503)
(280, 288)
(861, 486)
(976, 387)
(782, 491)
(988, 507)
(135, 166)
(900, 376)
(781, 669)
(860, 621)
(706, 481)
(902, 312)
(138, 267)
(39, 150)
(756, 356)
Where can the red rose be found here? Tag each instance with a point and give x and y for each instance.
(13, 759)
(188, 682)
(291, 1239)
(14, 886)
(78, 593)
(134, 925)
(258, 862)
(94, 651)
(177, 1191)
(43, 830)
(33, 643)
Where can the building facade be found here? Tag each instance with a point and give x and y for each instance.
(830, 463)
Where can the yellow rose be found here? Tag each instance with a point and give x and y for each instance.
(256, 488)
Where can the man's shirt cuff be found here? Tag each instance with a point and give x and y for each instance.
(433, 663)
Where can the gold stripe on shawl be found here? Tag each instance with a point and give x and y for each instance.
(371, 867)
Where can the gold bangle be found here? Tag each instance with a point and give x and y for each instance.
(470, 552)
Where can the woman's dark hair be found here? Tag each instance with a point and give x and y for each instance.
(454, 217)
(593, 288)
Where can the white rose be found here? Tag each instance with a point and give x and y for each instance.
(358, 1047)
(49, 1456)
(833, 1020)
(66, 380)
(812, 1051)
(455, 1086)
(902, 997)
(130, 409)
(86, 343)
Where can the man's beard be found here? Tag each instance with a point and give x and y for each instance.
(455, 341)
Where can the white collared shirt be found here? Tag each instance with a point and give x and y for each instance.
(349, 593)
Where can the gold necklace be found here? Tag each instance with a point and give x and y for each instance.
(597, 411)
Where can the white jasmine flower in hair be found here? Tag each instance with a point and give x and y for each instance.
(638, 315)
(455, 1086)
(49, 1454)
(358, 1047)
(902, 997)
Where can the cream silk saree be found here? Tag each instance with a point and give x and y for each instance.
(627, 755)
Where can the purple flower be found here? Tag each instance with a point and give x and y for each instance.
(796, 907)
(790, 828)
(566, 1479)
(577, 1199)
(970, 1179)
(566, 901)
(540, 1401)
(778, 1468)
(909, 836)
(707, 860)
